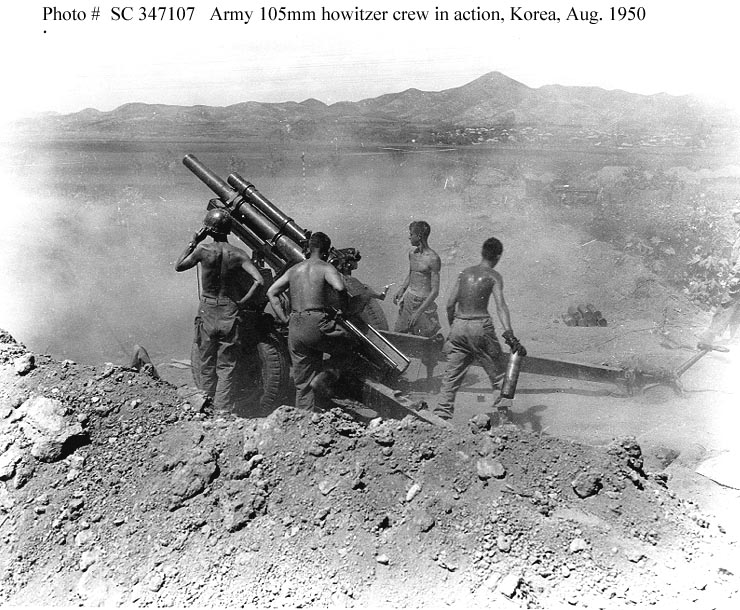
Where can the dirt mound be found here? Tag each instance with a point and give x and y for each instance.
(117, 488)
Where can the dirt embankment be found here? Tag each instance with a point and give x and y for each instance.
(117, 488)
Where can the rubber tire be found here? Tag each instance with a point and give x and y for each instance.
(373, 313)
(277, 388)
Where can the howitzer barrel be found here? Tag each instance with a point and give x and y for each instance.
(260, 228)
(249, 237)
(224, 192)
(284, 223)
(265, 228)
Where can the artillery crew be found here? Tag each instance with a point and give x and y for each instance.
(322, 318)
(417, 313)
(224, 331)
(472, 335)
(312, 326)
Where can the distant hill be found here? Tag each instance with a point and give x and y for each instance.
(491, 101)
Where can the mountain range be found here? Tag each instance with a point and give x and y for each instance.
(493, 100)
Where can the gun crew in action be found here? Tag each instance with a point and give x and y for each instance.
(313, 306)
(317, 291)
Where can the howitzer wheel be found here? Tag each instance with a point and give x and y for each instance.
(372, 313)
(269, 387)
(274, 371)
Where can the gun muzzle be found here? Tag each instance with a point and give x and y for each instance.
(257, 229)
(224, 192)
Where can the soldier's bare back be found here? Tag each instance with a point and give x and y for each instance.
(476, 284)
(312, 284)
(220, 262)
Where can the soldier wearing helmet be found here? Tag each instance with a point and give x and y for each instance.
(727, 315)
(225, 326)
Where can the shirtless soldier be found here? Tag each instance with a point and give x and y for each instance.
(312, 329)
(417, 314)
(472, 336)
(223, 324)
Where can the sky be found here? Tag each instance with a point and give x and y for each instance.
(65, 64)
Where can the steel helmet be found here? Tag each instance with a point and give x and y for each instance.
(217, 221)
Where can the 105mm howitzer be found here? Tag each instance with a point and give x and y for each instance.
(277, 242)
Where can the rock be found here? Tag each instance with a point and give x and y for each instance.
(503, 543)
(155, 581)
(198, 401)
(586, 484)
(577, 545)
(191, 478)
(255, 461)
(52, 432)
(383, 436)
(8, 461)
(6, 337)
(24, 471)
(382, 559)
(628, 451)
(83, 538)
(24, 364)
(77, 461)
(665, 455)
(327, 486)
(97, 592)
(87, 559)
(249, 444)
(509, 584)
(480, 422)
(488, 468)
(239, 511)
(6, 500)
(413, 490)
(424, 521)
(635, 556)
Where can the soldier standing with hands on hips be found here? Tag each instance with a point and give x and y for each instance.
(226, 320)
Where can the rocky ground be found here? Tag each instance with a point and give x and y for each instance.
(120, 489)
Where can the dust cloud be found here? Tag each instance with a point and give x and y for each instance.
(92, 233)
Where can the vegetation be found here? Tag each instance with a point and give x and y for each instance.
(680, 229)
